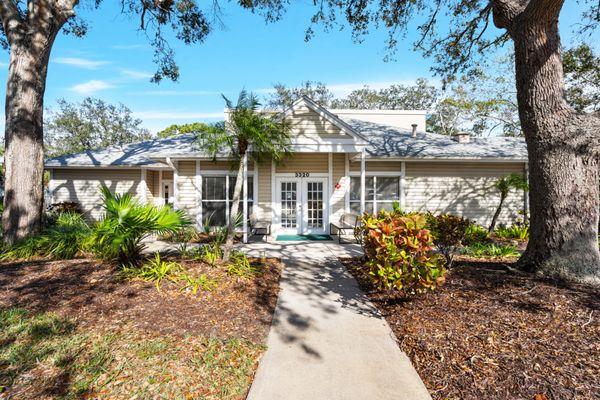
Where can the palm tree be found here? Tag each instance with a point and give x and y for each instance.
(248, 132)
(504, 185)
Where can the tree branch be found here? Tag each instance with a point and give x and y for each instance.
(11, 19)
(542, 10)
(505, 12)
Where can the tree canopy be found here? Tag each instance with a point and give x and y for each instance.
(194, 127)
(91, 124)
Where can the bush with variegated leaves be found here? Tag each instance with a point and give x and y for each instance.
(399, 252)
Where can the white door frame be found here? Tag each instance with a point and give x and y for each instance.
(301, 203)
(325, 200)
(162, 191)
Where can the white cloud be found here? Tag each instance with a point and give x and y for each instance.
(176, 115)
(176, 93)
(90, 87)
(133, 74)
(80, 62)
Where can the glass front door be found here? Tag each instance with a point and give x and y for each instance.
(303, 205)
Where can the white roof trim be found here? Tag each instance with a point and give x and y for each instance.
(446, 159)
(376, 112)
(323, 112)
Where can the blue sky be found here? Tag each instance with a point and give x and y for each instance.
(114, 62)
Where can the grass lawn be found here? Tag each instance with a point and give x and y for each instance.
(489, 333)
(77, 329)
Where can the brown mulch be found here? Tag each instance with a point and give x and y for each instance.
(97, 297)
(489, 333)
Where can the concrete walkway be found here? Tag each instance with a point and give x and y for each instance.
(327, 341)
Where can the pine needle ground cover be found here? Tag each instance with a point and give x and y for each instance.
(490, 333)
(78, 329)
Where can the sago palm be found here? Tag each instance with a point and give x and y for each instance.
(118, 237)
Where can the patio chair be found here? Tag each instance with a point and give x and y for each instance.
(259, 227)
(347, 222)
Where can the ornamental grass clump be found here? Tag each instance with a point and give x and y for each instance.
(399, 252)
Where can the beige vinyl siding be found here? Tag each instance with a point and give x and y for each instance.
(186, 185)
(83, 186)
(156, 185)
(378, 166)
(338, 195)
(222, 166)
(306, 122)
(465, 189)
(151, 186)
(263, 205)
(305, 162)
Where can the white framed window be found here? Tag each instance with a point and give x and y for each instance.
(381, 191)
(217, 198)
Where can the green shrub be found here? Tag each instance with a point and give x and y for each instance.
(515, 231)
(64, 239)
(185, 234)
(475, 234)
(240, 266)
(448, 232)
(195, 283)
(490, 250)
(211, 254)
(118, 237)
(399, 252)
(155, 270)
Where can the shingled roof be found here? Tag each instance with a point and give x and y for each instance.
(390, 142)
(134, 154)
(382, 142)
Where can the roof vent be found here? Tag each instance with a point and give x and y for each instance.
(461, 137)
(414, 130)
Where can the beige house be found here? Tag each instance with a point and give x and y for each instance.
(343, 161)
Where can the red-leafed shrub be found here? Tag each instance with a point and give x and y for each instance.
(399, 252)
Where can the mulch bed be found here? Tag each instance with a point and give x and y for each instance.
(97, 297)
(489, 333)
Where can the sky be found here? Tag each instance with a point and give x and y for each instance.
(114, 62)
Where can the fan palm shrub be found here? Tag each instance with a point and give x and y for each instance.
(118, 237)
(67, 236)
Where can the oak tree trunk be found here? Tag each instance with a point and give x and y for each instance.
(30, 45)
(563, 160)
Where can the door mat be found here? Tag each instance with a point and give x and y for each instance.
(291, 238)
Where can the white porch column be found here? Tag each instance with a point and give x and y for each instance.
(198, 195)
(175, 166)
(402, 186)
(245, 198)
(330, 188)
(362, 182)
(143, 188)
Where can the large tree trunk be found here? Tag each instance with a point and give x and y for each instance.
(24, 150)
(563, 159)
